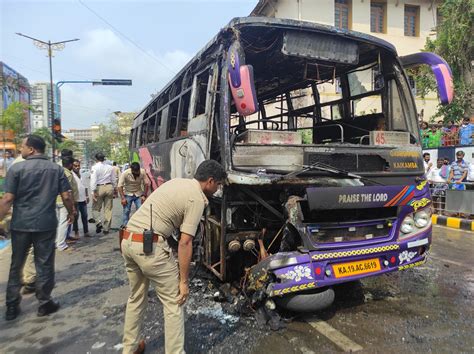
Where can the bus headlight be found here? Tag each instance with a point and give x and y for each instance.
(414, 223)
(408, 225)
(422, 218)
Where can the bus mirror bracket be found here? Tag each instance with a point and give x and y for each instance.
(441, 71)
(241, 81)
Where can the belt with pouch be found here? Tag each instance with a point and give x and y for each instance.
(137, 237)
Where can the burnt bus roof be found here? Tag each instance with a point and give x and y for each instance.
(241, 23)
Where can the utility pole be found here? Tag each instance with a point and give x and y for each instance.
(50, 47)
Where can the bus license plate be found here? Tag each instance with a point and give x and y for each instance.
(349, 269)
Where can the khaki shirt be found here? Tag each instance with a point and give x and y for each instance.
(74, 188)
(132, 185)
(178, 203)
(116, 170)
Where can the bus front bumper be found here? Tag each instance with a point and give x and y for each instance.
(292, 272)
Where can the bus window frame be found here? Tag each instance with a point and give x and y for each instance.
(182, 106)
(405, 100)
(195, 92)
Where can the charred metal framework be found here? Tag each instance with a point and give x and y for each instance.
(264, 209)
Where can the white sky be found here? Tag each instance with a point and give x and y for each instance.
(146, 41)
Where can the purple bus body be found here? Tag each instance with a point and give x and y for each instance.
(297, 271)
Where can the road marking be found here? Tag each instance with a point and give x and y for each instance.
(335, 336)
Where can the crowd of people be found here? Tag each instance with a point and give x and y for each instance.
(47, 199)
(444, 174)
(438, 134)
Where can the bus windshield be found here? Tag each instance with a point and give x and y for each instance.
(351, 100)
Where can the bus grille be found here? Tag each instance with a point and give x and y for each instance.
(323, 235)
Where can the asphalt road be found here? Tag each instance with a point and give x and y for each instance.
(425, 309)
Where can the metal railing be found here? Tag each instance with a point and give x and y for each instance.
(452, 199)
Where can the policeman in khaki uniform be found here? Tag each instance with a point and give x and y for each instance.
(103, 183)
(178, 203)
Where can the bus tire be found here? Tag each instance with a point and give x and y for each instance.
(307, 302)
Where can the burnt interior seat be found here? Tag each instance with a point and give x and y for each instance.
(354, 129)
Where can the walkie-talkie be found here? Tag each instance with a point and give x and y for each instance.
(148, 235)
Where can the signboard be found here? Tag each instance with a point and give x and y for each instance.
(361, 197)
(389, 138)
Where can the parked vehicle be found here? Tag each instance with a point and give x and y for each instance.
(317, 128)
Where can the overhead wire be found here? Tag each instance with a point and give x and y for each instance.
(127, 38)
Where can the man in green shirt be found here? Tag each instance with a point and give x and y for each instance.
(434, 136)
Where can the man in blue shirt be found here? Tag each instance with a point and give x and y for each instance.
(458, 173)
(32, 186)
(466, 132)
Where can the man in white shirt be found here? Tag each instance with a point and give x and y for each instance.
(437, 177)
(470, 172)
(103, 187)
(427, 163)
(82, 201)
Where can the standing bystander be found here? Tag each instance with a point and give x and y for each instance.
(133, 187)
(427, 164)
(82, 201)
(434, 137)
(63, 224)
(451, 134)
(437, 179)
(178, 203)
(470, 176)
(31, 186)
(466, 132)
(103, 187)
(7, 160)
(423, 131)
(116, 172)
(458, 173)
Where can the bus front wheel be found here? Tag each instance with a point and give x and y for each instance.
(308, 301)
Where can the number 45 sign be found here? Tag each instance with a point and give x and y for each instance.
(389, 138)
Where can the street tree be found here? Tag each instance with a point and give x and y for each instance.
(69, 144)
(12, 123)
(13, 119)
(45, 133)
(454, 43)
(113, 138)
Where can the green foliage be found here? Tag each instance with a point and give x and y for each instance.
(68, 144)
(13, 118)
(45, 133)
(113, 139)
(454, 43)
(93, 147)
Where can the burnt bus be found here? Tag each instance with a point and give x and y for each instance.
(317, 129)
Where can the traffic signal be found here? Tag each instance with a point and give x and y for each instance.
(57, 129)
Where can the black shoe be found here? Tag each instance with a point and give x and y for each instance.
(98, 229)
(91, 221)
(48, 308)
(28, 289)
(12, 312)
(106, 232)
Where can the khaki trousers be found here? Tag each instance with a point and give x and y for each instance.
(161, 269)
(105, 197)
(29, 270)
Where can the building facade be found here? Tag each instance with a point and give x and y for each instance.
(404, 23)
(15, 88)
(41, 103)
(87, 134)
